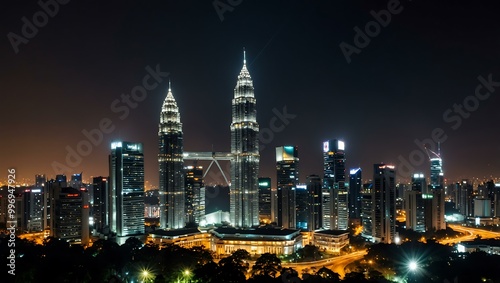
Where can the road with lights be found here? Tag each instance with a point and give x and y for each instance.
(470, 234)
(336, 264)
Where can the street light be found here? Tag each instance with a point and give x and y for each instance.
(187, 275)
(413, 265)
(146, 275)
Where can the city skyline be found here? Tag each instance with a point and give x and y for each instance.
(408, 77)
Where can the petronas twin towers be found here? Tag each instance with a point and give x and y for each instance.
(244, 210)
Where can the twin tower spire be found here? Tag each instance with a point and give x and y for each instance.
(244, 209)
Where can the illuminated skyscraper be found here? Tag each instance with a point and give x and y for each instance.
(384, 203)
(287, 178)
(367, 213)
(70, 211)
(302, 206)
(415, 201)
(314, 192)
(244, 189)
(355, 187)
(195, 194)
(33, 209)
(265, 199)
(418, 183)
(172, 182)
(335, 195)
(100, 203)
(76, 181)
(126, 185)
(437, 175)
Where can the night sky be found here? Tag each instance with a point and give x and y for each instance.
(396, 89)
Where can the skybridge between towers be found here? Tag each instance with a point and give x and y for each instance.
(213, 157)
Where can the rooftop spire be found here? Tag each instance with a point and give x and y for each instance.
(244, 56)
(169, 85)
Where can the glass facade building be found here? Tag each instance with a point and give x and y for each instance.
(287, 178)
(384, 203)
(335, 194)
(126, 186)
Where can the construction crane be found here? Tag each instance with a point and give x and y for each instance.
(436, 155)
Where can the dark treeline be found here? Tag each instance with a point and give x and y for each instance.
(106, 261)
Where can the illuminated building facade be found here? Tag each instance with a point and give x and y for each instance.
(313, 184)
(331, 240)
(170, 158)
(195, 194)
(265, 199)
(76, 181)
(126, 185)
(355, 187)
(335, 194)
(185, 237)
(415, 211)
(70, 214)
(99, 204)
(367, 213)
(437, 175)
(33, 209)
(384, 203)
(244, 188)
(256, 241)
(287, 177)
(418, 183)
(301, 206)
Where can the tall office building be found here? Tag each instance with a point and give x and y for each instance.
(438, 209)
(384, 203)
(418, 183)
(314, 186)
(265, 199)
(99, 204)
(70, 211)
(287, 178)
(195, 194)
(76, 181)
(367, 213)
(35, 203)
(355, 187)
(126, 185)
(464, 195)
(415, 204)
(48, 198)
(335, 194)
(302, 206)
(437, 176)
(33, 209)
(496, 200)
(244, 189)
(171, 162)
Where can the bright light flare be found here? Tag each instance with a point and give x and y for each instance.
(413, 265)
